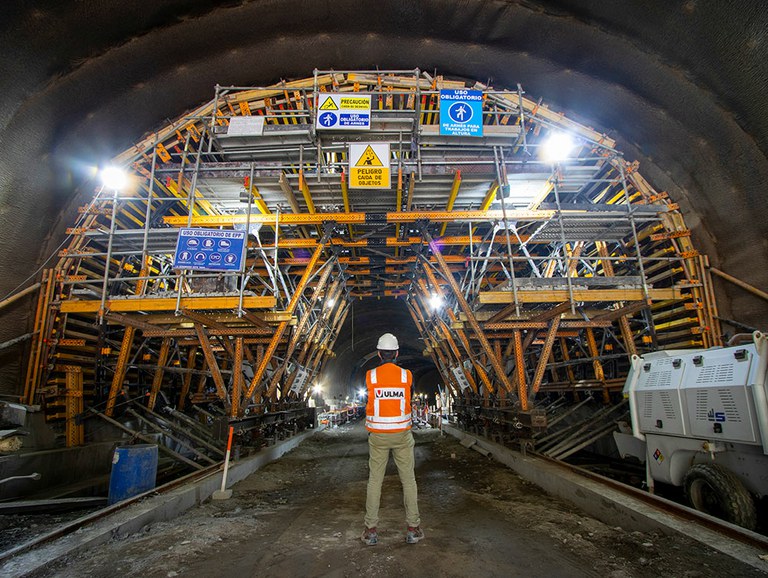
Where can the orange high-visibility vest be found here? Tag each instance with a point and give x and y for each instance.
(389, 399)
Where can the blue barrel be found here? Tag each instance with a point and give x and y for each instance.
(134, 469)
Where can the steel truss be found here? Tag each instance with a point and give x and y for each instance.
(549, 291)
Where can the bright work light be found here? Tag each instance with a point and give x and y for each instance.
(436, 302)
(114, 178)
(557, 147)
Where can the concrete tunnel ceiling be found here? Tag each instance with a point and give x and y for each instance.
(680, 85)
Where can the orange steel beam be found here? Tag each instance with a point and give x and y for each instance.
(544, 357)
(237, 379)
(440, 368)
(467, 310)
(187, 382)
(210, 359)
(522, 388)
(438, 344)
(157, 379)
(435, 346)
(371, 218)
(462, 336)
(299, 330)
(120, 369)
(258, 374)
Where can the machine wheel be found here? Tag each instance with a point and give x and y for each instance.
(716, 491)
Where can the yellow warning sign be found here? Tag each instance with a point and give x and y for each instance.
(329, 104)
(368, 159)
(369, 166)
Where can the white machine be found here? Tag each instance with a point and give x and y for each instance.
(700, 420)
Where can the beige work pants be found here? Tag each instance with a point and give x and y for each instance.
(401, 445)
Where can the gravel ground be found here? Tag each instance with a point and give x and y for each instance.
(302, 516)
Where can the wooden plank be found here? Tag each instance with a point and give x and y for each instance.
(587, 295)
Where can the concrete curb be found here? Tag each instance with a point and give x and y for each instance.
(153, 508)
(606, 504)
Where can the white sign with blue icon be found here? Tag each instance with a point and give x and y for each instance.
(210, 250)
(461, 112)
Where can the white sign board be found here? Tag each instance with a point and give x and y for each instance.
(246, 126)
(343, 112)
(461, 379)
(299, 381)
(369, 166)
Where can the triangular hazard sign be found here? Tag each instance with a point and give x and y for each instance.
(329, 104)
(368, 159)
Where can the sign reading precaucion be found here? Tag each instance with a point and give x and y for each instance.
(369, 166)
(461, 112)
(344, 112)
(209, 250)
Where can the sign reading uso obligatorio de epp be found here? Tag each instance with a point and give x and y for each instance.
(461, 112)
(209, 250)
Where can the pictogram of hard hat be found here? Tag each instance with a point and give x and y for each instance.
(387, 342)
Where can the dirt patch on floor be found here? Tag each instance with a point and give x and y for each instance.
(302, 516)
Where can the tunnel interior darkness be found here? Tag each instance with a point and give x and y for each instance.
(680, 85)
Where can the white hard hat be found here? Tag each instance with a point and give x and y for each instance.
(387, 342)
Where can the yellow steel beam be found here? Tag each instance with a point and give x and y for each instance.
(452, 197)
(304, 187)
(166, 304)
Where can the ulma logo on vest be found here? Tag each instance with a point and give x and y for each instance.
(389, 393)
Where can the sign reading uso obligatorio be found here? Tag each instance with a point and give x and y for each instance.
(209, 250)
(461, 112)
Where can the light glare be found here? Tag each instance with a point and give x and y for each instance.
(436, 302)
(114, 178)
(558, 147)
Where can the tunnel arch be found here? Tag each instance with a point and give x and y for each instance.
(596, 247)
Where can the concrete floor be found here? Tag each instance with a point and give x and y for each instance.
(302, 516)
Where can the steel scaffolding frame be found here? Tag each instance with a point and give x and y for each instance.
(544, 291)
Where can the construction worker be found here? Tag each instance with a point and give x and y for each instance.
(388, 421)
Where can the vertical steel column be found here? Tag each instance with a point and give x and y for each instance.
(522, 387)
(237, 379)
(75, 432)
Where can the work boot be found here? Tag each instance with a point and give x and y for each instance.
(370, 537)
(414, 534)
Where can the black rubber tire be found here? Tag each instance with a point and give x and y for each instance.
(714, 490)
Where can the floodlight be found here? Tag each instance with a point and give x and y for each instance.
(557, 147)
(318, 388)
(114, 178)
(361, 392)
(436, 302)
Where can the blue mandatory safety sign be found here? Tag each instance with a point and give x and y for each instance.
(210, 250)
(461, 112)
